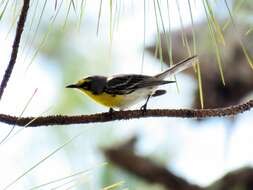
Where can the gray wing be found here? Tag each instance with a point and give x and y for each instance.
(125, 84)
(182, 65)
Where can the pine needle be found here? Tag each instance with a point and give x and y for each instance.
(193, 29)
(55, 4)
(159, 43)
(181, 23)
(4, 9)
(13, 23)
(44, 39)
(67, 16)
(15, 17)
(144, 35)
(82, 10)
(200, 86)
(215, 24)
(215, 42)
(111, 21)
(37, 28)
(26, 125)
(22, 112)
(238, 5)
(245, 51)
(30, 27)
(64, 184)
(117, 184)
(170, 36)
(69, 176)
(43, 160)
(99, 16)
(73, 5)
(249, 31)
(115, 17)
(163, 27)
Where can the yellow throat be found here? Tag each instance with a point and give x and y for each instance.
(112, 101)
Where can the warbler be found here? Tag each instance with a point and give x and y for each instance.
(125, 90)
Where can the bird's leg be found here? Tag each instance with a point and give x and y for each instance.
(111, 110)
(144, 107)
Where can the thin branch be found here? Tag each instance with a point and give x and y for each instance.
(15, 46)
(124, 156)
(125, 115)
(241, 177)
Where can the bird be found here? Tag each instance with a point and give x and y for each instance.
(124, 90)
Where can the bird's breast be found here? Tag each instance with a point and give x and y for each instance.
(105, 99)
(119, 101)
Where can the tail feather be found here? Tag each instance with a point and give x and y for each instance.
(182, 65)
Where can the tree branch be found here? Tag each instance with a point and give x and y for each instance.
(102, 117)
(15, 46)
(125, 115)
(124, 157)
(241, 178)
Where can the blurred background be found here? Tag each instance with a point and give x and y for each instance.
(64, 41)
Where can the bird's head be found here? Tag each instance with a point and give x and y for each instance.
(94, 84)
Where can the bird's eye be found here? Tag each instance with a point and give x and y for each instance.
(85, 85)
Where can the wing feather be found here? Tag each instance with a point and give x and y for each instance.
(125, 84)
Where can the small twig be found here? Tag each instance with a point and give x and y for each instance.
(15, 46)
(124, 115)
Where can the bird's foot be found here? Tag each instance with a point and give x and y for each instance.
(111, 110)
(144, 108)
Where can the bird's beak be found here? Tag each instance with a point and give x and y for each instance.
(72, 86)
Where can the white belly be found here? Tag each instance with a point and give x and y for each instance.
(135, 97)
